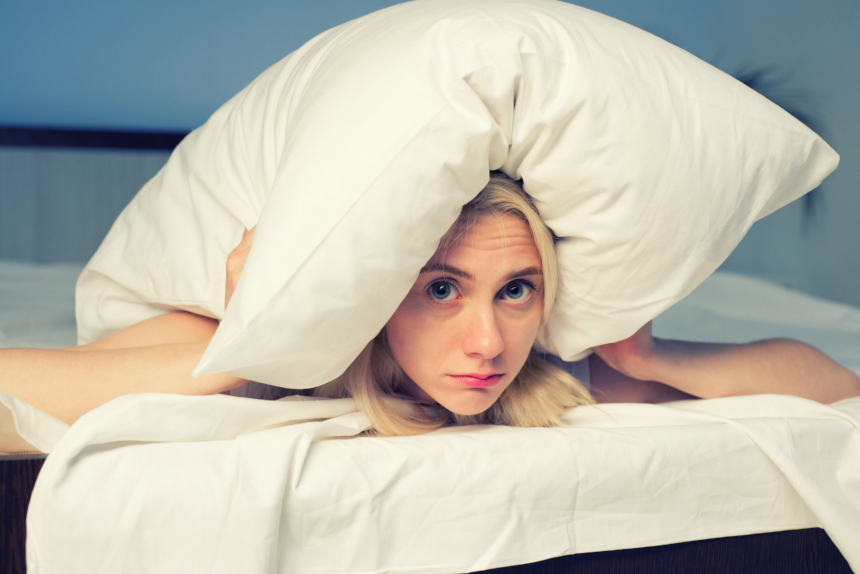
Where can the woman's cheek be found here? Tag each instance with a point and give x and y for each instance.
(407, 332)
(524, 326)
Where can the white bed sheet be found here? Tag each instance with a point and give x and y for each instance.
(163, 483)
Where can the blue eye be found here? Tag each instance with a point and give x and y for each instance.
(517, 291)
(442, 291)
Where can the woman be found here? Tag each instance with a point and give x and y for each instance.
(458, 347)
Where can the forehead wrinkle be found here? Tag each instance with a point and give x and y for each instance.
(468, 235)
(482, 236)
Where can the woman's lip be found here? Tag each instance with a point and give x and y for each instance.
(477, 379)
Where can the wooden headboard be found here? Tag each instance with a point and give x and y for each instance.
(61, 190)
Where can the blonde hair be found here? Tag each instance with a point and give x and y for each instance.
(538, 395)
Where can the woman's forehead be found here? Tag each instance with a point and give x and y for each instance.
(492, 238)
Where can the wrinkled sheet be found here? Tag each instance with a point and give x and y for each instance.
(164, 483)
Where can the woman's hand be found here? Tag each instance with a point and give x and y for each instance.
(236, 263)
(631, 356)
(624, 372)
(708, 370)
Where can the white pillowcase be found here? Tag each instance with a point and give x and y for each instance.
(356, 152)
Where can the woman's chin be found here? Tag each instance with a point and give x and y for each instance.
(476, 402)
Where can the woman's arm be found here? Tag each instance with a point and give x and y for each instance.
(779, 366)
(164, 329)
(154, 356)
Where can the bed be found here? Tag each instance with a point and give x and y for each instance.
(168, 483)
(724, 492)
(731, 490)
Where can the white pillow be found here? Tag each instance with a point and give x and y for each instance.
(357, 151)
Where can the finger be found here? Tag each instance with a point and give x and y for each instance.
(236, 263)
(602, 352)
(247, 239)
(246, 242)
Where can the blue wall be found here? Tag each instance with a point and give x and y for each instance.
(815, 47)
(145, 63)
(168, 64)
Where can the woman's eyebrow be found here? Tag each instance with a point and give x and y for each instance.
(446, 269)
(524, 272)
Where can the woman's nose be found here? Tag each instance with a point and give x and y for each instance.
(483, 337)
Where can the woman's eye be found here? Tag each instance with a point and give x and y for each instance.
(442, 291)
(517, 291)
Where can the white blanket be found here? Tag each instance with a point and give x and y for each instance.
(164, 483)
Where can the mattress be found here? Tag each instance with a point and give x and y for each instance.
(167, 483)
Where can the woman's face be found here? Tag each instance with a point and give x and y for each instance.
(468, 324)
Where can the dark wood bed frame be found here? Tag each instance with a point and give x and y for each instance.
(798, 551)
